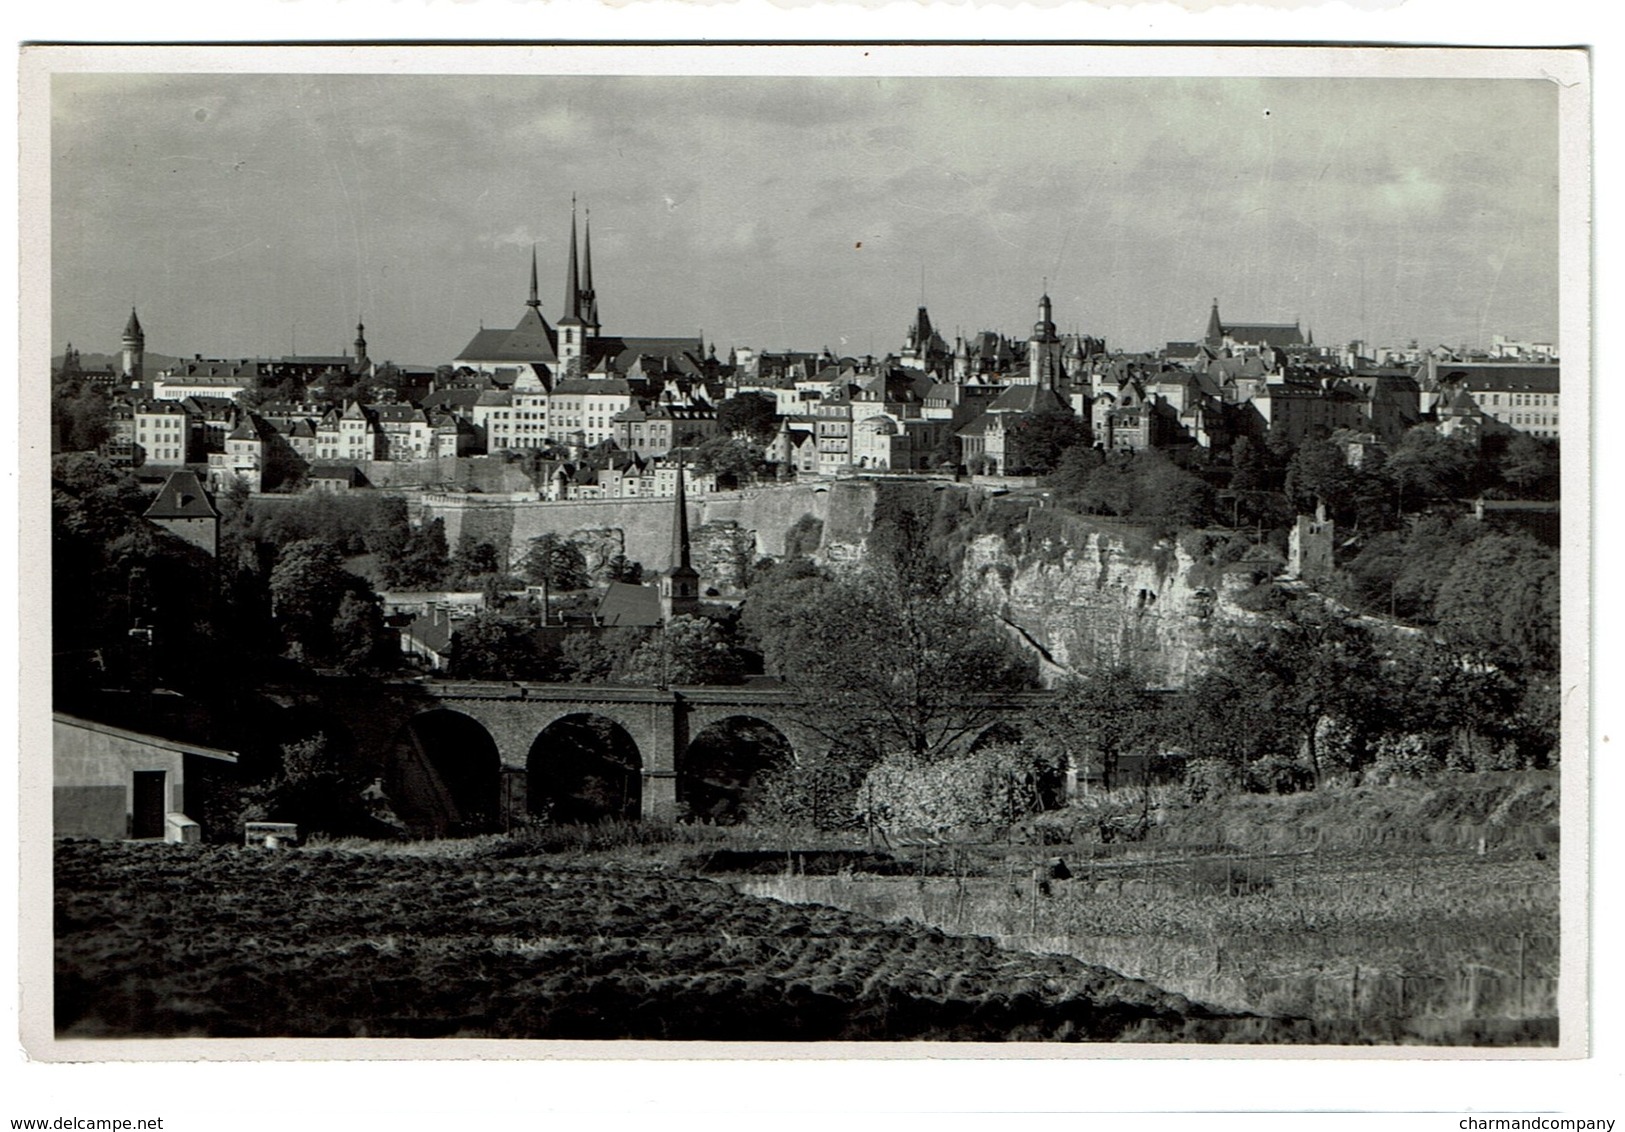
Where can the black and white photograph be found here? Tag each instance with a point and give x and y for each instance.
(771, 550)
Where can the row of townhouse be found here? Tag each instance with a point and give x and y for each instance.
(624, 475)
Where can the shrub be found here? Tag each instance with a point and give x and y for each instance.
(1278, 774)
(822, 795)
(1407, 756)
(1207, 780)
(996, 785)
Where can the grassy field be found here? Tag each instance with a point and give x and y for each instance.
(1409, 915)
(1397, 915)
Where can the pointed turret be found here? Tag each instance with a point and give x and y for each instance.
(535, 301)
(135, 348)
(1215, 328)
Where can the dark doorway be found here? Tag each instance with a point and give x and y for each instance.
(584, 768)
(721, 775)
(150, 804)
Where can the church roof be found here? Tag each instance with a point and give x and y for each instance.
(530, 341)
(624, 352)
(626, 604)
(182, 497)
(1026, 398)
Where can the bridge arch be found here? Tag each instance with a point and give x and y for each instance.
(996, 734)
(726, 763)
(443, 775)
(584, 766)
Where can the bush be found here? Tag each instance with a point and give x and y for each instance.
(1278, 774)
(821, 795)
(1407, 756)
(996, 785)
(1208, 780)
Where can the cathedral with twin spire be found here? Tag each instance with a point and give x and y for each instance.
(576, 346)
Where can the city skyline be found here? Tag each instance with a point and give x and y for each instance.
(255, 215)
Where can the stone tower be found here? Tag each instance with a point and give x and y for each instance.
(135, 348)
(1044, 349)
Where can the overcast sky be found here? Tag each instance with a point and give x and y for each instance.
(262, 214)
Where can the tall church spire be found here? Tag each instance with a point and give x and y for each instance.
(534, 302)
(589, 296)
(679, 529)
(572, 282)
(1215, 328)
(680, 585)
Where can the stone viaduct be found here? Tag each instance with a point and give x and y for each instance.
(487, 738)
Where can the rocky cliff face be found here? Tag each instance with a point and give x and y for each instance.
(1102, 597)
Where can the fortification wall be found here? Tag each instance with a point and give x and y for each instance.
(644, 525)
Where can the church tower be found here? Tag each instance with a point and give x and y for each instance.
(360, 363)
(135, 348)
(572, 327)
(680, 586)
(589, 296)
(1044, 349)
(1215, 329)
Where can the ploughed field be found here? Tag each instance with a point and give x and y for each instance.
(170, 940)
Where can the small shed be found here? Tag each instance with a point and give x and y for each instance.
(116, 784)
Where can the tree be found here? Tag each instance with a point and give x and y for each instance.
(1529, 466)
(1499, 602)
(729, 457)
(79, 413)
(1037, 441)
(588, 656)
(475, 563)
(319, 790)
(422, 561)
(1106, 714)
(687, 650)
(750, 416)
(1273, 689)
(490, 646)
(555, 562)
(306, 586)
(1318, 473)
(320, 607)
(897, 658)
(361, 641)
(1426, 466)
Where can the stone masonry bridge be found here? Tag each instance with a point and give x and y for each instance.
(462, 754)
